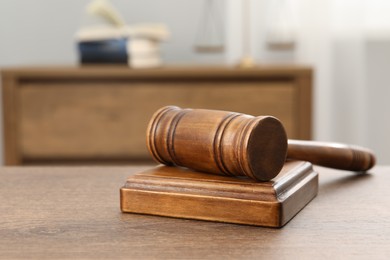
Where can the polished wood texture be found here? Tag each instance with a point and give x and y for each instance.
(219, 142)
(333, 155)
(235, 144)
(73, 213)
(99, 114)
(182, 193)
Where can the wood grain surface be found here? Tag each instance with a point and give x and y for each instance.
(108, 119)
(65, 115)
(333, 155)
(73, 212)
(184, 193)
(218, 142)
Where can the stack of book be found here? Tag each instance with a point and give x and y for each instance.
(115, 42)
(101, 45)
(143, 53)
(137, 45)
(143, 45)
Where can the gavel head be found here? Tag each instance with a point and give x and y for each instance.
(218, 142)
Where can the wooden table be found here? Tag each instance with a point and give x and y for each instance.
(73, 212)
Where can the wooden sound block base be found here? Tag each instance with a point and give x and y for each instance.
(183, 193)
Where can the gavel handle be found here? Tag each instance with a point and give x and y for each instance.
(333, 155)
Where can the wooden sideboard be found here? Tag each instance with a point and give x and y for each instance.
(99, 114)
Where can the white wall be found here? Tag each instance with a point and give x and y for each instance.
(378, 93)
(38, 32)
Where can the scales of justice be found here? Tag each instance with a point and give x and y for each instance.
(210, 36)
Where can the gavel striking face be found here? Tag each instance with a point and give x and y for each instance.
(234, 144)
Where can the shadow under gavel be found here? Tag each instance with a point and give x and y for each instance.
(235, 144)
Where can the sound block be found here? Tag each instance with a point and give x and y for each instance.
(183, 193)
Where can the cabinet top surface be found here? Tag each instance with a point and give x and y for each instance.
(73, 212)
(185, 71)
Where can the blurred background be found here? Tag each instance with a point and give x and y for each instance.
(346, 42)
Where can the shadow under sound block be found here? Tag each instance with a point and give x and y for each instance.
(183, 193)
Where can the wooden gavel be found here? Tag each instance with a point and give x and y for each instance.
(235, 144)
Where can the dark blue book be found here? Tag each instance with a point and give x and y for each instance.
(103, 51)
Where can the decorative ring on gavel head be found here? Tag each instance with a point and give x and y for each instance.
(218, 142)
